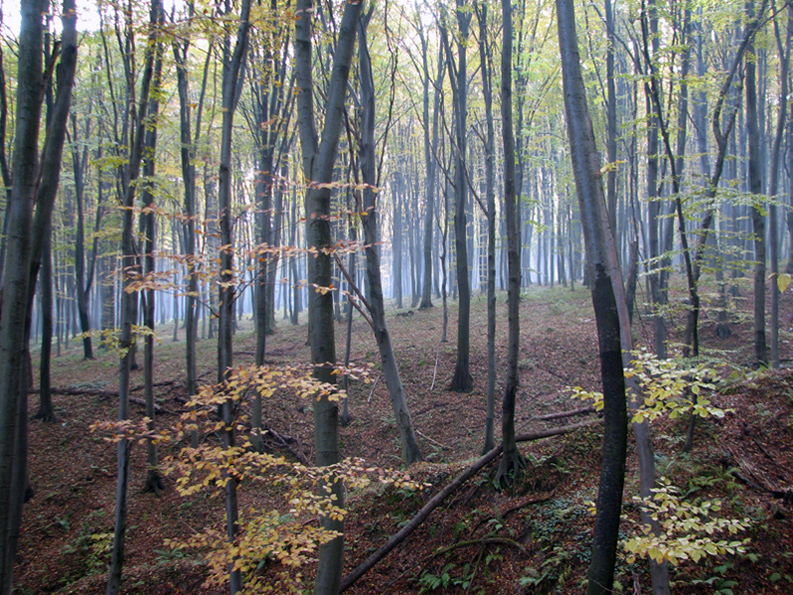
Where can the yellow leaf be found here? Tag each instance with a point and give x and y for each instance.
(783, 280)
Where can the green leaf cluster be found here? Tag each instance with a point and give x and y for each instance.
(688, 531)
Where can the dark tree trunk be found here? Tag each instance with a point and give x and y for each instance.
(153, 481)
(462, 381)
(430, 146)
(26, 245)
(410, 448)
(319, 157)
(46, 410)
(233, 76)
(758, 216)
(490, 194)
(129, 306)
(600, 250)
(512, 461)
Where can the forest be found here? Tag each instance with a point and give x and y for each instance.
(396, 296)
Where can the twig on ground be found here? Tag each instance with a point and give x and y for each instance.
(374, 386)
(431, 440)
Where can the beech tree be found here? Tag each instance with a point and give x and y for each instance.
(28, 220)
(319, 157)
(462, 380)
(600, 250)
(129, 301)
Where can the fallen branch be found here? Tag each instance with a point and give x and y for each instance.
(431, 440)
(105, 394)
(374, 386)
(285, 442)
(482, 541)
(436, 500)
(562, 414)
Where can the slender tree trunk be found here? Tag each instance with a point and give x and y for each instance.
(490, 194)
(600, 252)
(512, 461)
(756, 188)
(429, 160)
(46, 410)
(462, 381)
(410, 448)
(319, 157)
(233, 75)
(129, 304)
(773, 185)
(153, 481)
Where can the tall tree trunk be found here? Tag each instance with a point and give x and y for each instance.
(600, 252)
(46, 410)
(430, 146)
(756, 188)
(26, 246)
(721, 135)
(233, 76)
(319, 157)
(462, 380)
(129, 314)
(153, 481)
(773, 185)
(84, 279)
(490, 194)
(512, 461)
(410, 448)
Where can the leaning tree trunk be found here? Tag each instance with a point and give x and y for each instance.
(600, 249)
(410, 448)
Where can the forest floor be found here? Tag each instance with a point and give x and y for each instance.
(533, 538)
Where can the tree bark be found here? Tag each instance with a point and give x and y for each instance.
(773, 185)
(490, 196)
(319, 157)
(129, 302)
(756, 188)
(462, 381)
(410, 448)
(512, 462)
(599, 244)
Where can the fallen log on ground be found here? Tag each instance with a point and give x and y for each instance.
(104, 394)
(438, 498)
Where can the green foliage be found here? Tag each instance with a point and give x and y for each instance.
(688, 531)
(110, 339)
(671, 387)
(92, 547)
